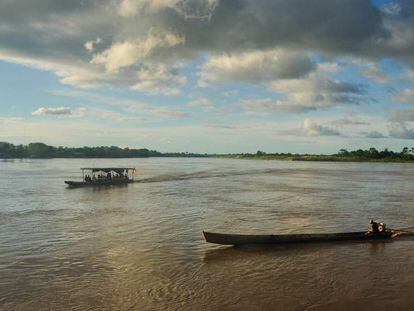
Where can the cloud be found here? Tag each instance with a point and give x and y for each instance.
(91, 45)
(303, 95)
(199, 9)
(401, 115)
(241, 40)
(373, 134)
(348, 121)
(158, 79)
(130, 106)
(375, 73)
(170, 113)
(391, 8)
(130, 116)
(405, 96)
(207, 105)
(130, 52)
(201, 102)
(316, 84)
(315, 92)
(401, 131)
(116, 116)
(133, 7)
(255, 67)
(59, 111)
(269, 105)
(11, 119)
(310, 128)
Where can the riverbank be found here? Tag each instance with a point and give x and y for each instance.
(319, 158)
(43, 151)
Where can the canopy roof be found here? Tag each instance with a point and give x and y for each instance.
(108, 169)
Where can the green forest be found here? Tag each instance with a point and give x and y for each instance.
(41, 150)
(343, 155)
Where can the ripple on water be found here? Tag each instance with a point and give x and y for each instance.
(140, 247)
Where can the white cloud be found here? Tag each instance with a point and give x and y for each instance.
(58, 111)
(199, 9)
(348, 121)
(329, 67)
(401, 115)
(373, 134)
(248, 41)
(311, 128)
(405, 96)
(255, 67)
(130, 106)
(391, 8)
(91, 45)
(131, 52)
(132, 7)
(116, 116)
(316, 92)
(401, 131)
(11, 119)
(302, 95)
(375, 73)
(315, 84)
(201, 102)
(269, 105)
(159, 79)
(69, 73)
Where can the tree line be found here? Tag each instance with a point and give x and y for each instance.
(41, 150)
(371, 154)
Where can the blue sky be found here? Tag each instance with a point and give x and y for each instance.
(208, 75)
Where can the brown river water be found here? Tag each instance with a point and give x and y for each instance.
(140, 246)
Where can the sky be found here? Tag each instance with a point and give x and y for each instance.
(214, 76)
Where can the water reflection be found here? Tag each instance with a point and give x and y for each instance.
(232, 252)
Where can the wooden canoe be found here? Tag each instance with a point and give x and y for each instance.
(239, 239)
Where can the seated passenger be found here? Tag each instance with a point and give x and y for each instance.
(373, 227)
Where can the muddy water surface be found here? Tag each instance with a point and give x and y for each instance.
(140, 247)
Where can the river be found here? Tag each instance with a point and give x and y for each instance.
(140, 246)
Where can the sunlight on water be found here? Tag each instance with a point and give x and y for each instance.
(140, 247)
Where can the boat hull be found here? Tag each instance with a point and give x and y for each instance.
(97, 183)
(240, 239)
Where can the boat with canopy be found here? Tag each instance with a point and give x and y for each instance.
(104, 176)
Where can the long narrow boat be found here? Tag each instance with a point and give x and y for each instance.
(239, 239)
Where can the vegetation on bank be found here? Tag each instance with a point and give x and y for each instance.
(40, 150)
(369, 155)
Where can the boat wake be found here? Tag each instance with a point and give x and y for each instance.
(213, 174)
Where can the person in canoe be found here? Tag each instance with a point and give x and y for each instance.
(376, 228)
(373, 227)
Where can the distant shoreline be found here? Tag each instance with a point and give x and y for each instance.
(43, 151)
(318, 158)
